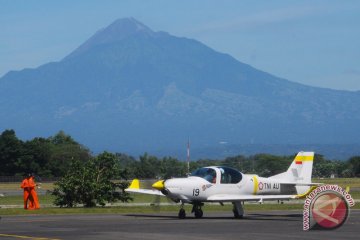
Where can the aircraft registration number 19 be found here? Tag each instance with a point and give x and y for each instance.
(196, 192)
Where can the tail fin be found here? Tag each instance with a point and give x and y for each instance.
(299, 171)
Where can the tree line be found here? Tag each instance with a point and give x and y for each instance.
(55, 155)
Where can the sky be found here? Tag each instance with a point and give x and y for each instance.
(316, 43)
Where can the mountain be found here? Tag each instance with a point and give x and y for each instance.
(130, 89)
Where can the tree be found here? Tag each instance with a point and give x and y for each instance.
(63, 150)
(238, 162)
(171, 167)
(62, 138)
(35, 157)
(43, 156)
(323, 167)
(91, 183)
(66, 190)
(149, 167)
(355, 165)
(10, 152)
(129, 165)
(268, 165)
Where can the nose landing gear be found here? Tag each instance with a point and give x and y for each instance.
(182, 213)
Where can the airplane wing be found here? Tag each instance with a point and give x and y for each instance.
(135, 188)
(145, 191)
(233, 197)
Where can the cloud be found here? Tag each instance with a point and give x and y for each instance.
(354, 72)
(261, 19)
(64, 111)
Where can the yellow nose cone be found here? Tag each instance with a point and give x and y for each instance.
(159, 185)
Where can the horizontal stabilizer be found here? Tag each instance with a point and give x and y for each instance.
(301, 184)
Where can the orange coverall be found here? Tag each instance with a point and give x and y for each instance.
(27, 197)
(33, 193)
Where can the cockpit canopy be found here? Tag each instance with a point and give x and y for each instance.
(226, 175)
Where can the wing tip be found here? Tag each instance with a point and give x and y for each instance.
(135, 184)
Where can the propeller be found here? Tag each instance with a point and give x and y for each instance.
(155, 204)
(159, 185)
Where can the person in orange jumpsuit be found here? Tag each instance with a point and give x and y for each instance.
(27, 196)
(33, 194)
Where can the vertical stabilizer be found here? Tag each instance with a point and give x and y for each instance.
(300, 171)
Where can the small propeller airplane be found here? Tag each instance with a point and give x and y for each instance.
(225, 184)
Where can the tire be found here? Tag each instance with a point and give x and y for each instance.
(198, 213)
(182, 214)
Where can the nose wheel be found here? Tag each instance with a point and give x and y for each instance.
(182, 213)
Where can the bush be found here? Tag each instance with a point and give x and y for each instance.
(90, 183)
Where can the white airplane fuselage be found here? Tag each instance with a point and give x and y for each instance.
(197, 189)
(225, 184)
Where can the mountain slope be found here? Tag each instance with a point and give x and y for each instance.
(131, 89)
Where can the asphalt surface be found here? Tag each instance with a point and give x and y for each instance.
(256, 225)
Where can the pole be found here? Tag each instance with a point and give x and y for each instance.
(188, 157)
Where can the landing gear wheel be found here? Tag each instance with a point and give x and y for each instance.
(237, 215)
(238, 210)
(182, 213)
(197, 210)
(198, 213)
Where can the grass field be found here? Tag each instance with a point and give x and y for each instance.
(48, 199)
(16, 186)
(343, 182)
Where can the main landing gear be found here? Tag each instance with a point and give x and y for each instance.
(238, 210)
(196, 210)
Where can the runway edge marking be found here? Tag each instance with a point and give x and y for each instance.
(26, 237)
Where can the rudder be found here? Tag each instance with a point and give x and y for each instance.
(300, 171)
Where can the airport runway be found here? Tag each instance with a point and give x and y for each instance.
(256, 225)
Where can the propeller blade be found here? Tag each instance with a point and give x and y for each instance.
(155, 205)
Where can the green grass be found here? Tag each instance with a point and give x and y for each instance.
(16, 186)
(343, 182)
(49, 199)
(145, 198)
(18, 200)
